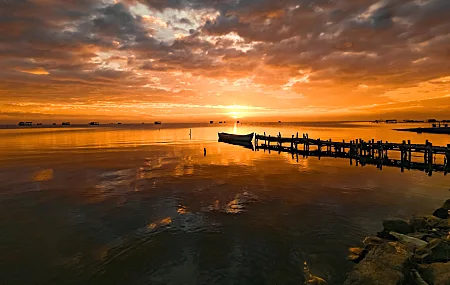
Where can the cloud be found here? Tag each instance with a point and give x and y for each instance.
(36, 71)
(353, 52)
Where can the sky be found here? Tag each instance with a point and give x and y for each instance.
(201, 60)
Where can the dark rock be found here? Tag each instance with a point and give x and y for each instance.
(398, 226)
(427, 223)
(437, 250)
(446, 205)
(436, 273)
(386, 235)
(441, 213)
(418, 280)
(385, 264)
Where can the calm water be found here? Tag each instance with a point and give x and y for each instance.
(142, 205)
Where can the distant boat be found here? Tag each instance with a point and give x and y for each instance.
(119, 123)
(220, 122)
(39, 124)
(25, 124)
(94, 123)
(391, 121)
(66, 124)
(235, 138)
(279, 121)
(237, 122)
(158, 123)
(211, 122)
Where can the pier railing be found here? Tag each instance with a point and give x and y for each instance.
(403, 155)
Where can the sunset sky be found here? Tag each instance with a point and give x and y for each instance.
(196, 60)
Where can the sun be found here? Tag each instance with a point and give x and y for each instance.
(235, 115)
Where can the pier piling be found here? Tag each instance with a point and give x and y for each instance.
(363, 152)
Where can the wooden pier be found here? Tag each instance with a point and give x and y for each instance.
(405, 155)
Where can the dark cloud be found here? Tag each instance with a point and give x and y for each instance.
(95, 46)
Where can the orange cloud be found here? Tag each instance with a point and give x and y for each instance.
(36, 71)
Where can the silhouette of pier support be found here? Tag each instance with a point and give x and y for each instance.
(371, 152)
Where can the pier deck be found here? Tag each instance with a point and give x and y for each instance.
(405, 155)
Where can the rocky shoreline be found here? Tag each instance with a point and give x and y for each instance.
(415, 251)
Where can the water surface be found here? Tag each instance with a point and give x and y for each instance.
(142, 204)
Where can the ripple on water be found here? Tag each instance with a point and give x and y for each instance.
(237, 205)
(142, 238)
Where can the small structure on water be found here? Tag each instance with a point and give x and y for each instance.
(211, 122)
(65, 124)
(412, 121)
(158, 123)
(435, 129)
(94, 123)
(25, 124)
(391, 121)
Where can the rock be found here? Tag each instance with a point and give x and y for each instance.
(409, 240)
(436, 273)
(446, 205)
(356, 254)
(371, 242)
(385, 235)
(398, 226)
(422, 236)
(311, 279)
(437, 250)
(314, 280)
(418, 280)
(441, 213)
(383, 265)
(427, 223)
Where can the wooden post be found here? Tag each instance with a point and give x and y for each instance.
(430, 157)
(447, 160)
(319, 147)
(425, 155)
(292, 143)
(350, 152)
(409, 153)
(373, 149)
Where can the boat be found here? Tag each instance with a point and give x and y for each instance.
(66, 124)
(158, 123)
(235, 138)
(25, 123)
(39, 124)
(211, 122)
(94, 123)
